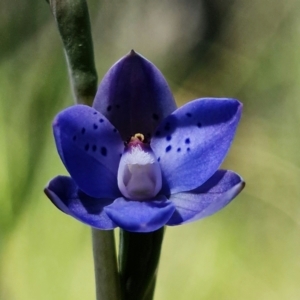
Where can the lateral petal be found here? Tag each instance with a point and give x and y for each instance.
(192, 142)
(206, 200)
(66, 196)
(90, 148)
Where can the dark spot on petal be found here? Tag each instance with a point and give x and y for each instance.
(188, 149)
(157, 133)
(82, 130)
(168, 148)
(101, 120)
(155, 117)
(95, 112)
(115, 130)
(167, 126)
(158, 159)
(199, 124)
(120, 154)
(103, 151)
(187, 141)
(74, 138)
(94, 148)
(178, 149)
(95, 126)
(188, 115)
(87, 146)
(109, 107)
(117, 106)
(168, 138)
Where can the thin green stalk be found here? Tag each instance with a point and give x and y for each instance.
(106, 273)
(72, 18)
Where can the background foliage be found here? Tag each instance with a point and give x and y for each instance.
(236, 48)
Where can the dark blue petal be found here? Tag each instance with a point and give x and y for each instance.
(140, 216)
(192, 142)
(90, 147)
(65, 195)
(209, 198)
(134, 96)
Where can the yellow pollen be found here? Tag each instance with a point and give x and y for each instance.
(138, 136)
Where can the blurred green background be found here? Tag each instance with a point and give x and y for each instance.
(236, 48)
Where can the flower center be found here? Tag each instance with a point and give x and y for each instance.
(139, 174)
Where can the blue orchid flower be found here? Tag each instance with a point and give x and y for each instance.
(139, 163)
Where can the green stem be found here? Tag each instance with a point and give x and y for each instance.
(73, 21)
(106, 273)
(138, 263)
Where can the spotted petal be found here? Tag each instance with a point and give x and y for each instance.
(206, 200)
(134, 96)
(65, 195)
(90, 147)
(192, 142)
(140, 216)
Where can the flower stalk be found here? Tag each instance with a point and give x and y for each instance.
(138, 263)
(73, 21)
(106, 274)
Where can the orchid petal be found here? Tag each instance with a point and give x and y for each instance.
(90, 148)
(206, 200)
(65, 195)
(134, 96)
(140, 216)
(191, 143)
